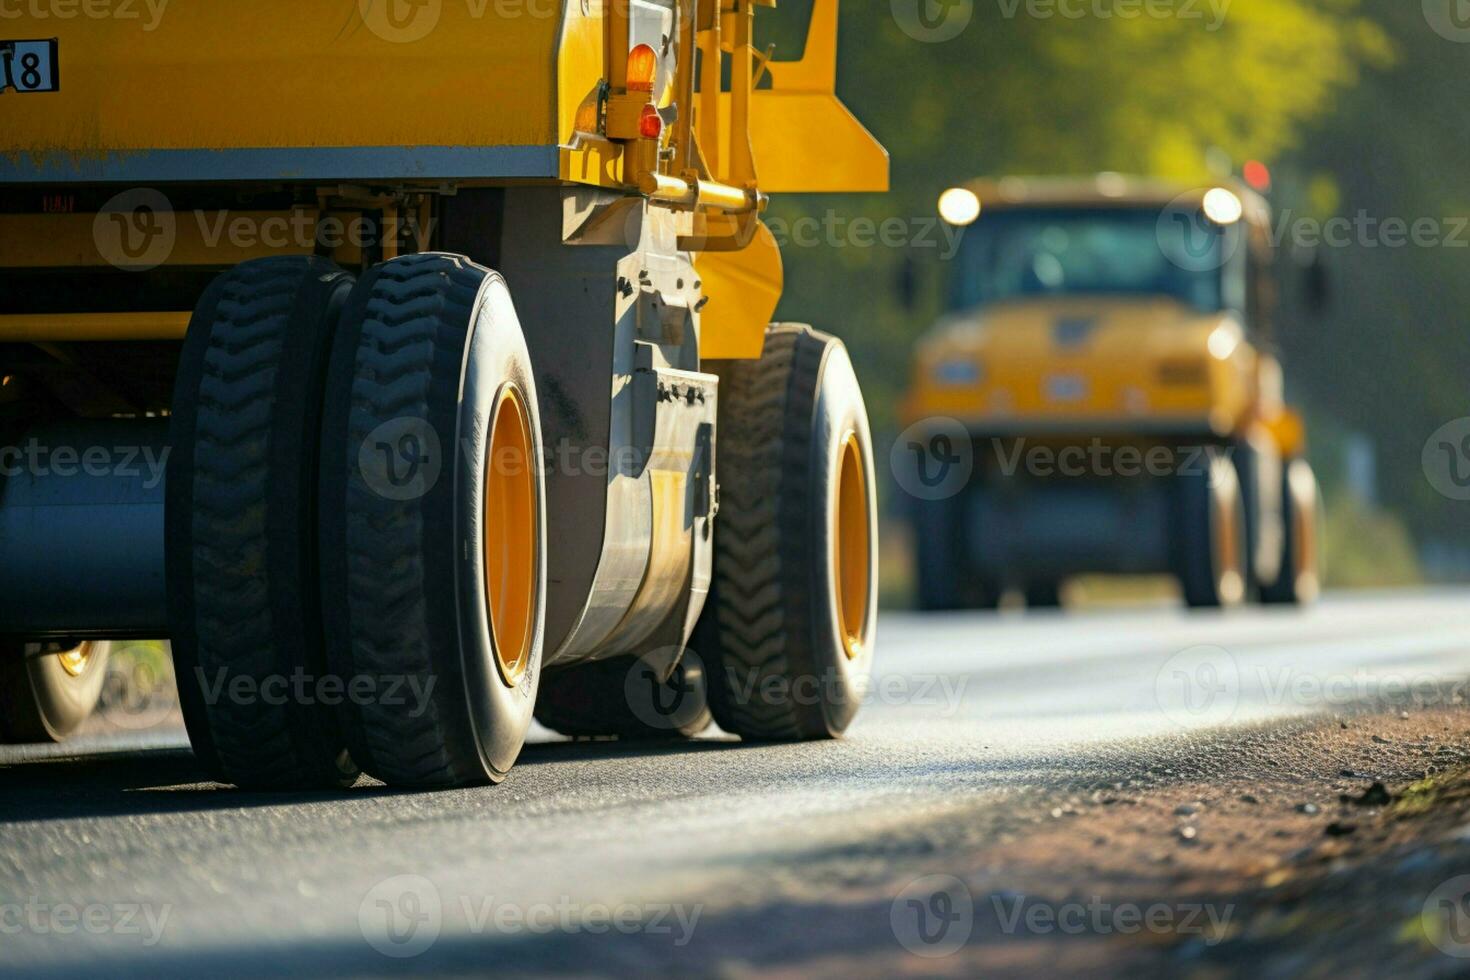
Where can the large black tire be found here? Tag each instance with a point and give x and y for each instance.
(788, 628)
(1258, 469)
(429, 361)
(241, 520)
(47, 694)
(1300, 581)
(945, 581)
(1209, 534)
(624, 697)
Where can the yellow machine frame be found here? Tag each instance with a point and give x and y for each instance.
(454, 95)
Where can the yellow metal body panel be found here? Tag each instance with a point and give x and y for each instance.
(334, 91)
(1143, 362)
(808, 142)
(743, 289)
(39, 241)
(284, 74)
(804, 138)
(39, 327)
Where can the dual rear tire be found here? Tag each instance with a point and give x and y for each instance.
(356, 525)
(356, 520)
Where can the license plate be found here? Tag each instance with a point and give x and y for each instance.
(1065, 388)
(29, 66)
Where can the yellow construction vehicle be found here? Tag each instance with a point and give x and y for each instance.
(437, 310)
(1103, 396)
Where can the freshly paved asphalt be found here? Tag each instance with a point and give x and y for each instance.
(706, 857)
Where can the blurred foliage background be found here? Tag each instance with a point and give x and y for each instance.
(1356, 105)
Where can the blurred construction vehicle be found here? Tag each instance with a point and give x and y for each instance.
(438, 310)
(1108, 368)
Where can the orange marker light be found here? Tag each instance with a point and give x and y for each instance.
(650, 123)
(642, 69)
(1258, 175)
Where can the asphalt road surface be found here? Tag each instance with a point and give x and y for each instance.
(706, 857)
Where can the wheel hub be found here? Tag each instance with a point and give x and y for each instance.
(851, 544)
(75, 660)
(511, 541)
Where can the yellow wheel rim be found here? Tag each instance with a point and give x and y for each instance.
(1231, 558)
(511, 541)
(1304, 519)
(74, 661)
(851, 545)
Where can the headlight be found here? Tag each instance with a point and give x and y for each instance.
(954, 373)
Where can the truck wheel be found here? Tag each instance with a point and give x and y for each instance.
(46, 694)
(945, 582)
(240, 515)
(787, 630)
(433, 525)
(1209, 534)
(624, 697)
(1301, 554)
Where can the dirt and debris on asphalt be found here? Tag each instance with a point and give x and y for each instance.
(1327, 849)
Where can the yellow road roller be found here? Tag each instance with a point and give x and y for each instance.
(451, 322)
(1104, 396)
